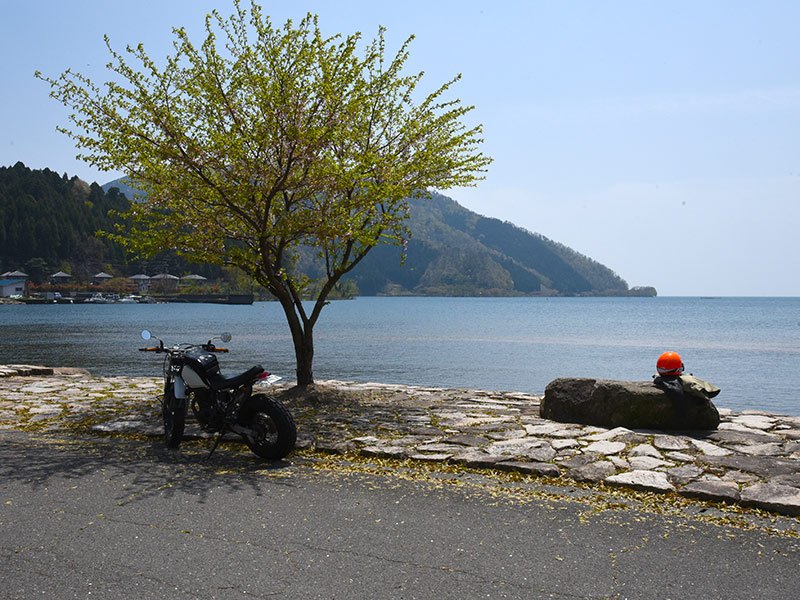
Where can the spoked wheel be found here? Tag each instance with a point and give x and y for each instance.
(174, 419)
(273, 431)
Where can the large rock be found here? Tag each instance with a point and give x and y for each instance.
(632, 404)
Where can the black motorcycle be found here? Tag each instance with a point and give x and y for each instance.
(192, 378)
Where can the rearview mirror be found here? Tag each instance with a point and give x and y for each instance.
(146, 334)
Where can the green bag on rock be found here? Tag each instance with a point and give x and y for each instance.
(694, 386)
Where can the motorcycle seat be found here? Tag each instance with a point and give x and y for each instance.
(218, 381)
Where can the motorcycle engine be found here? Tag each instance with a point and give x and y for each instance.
(205, 410)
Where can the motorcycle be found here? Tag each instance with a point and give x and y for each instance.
(192, 378)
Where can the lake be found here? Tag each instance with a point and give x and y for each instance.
(749, 347)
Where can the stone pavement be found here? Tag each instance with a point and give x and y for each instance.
(752, 460)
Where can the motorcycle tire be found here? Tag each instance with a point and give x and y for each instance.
(174, 420)
(273, 426)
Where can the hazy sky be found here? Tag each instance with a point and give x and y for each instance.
(659, 138)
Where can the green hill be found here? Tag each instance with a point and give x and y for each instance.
(48, 222)
(454, 251)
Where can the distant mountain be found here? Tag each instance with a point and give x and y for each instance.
(456, 252)
(123, 185)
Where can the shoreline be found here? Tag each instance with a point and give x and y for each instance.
(752, 460)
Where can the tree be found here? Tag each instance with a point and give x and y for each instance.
(38, 269)
(274, 139)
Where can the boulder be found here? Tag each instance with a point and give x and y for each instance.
(631, 404)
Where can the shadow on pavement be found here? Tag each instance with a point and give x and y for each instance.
(150, 468)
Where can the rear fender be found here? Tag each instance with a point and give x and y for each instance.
(249, 405)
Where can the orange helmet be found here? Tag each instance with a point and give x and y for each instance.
(669, 363)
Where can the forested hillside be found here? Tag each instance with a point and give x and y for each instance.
(454, 251)
(48, 222)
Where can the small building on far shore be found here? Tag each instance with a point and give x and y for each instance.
(165, 281)
(13, 283)
(101, 278)
(14, 275)
(142, 281)
(193, 279)
(13, 287)
(60, 278)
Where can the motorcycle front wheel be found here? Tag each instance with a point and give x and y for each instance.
(274, 432)
(174, 419)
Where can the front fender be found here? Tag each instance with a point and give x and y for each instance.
(175, 395)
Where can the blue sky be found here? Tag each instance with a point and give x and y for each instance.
(659, 138)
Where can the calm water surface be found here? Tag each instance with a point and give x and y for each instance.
(750, 347)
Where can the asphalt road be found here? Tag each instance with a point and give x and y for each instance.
(129, 519)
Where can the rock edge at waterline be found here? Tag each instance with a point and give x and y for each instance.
(753, 459)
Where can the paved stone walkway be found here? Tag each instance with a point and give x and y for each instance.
(752, 460)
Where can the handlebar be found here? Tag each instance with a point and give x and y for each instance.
(213, 348)
(206, 347)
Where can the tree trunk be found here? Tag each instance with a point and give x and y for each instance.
(304, 354)
(303, 340)
(302, 325)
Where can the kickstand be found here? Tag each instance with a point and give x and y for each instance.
(217, 441)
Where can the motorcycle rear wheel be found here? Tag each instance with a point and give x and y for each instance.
(274, 430)
(174, 420)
